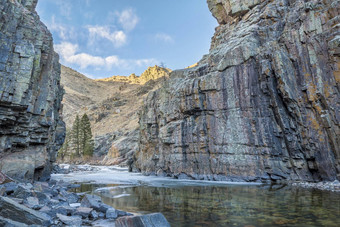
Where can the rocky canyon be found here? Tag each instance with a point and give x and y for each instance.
(31, 129)
(263, 105)
(112, 105)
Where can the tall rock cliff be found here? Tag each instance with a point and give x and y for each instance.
(31, 129)
(262, 105)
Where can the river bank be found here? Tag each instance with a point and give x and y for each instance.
(333, 186)
(52, 204)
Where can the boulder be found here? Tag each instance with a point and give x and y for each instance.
(70, 220)
(83, 211)
(92, 201)
(32, 202)
(10, 223)
(149, 220)
(13, 210)
(111, 213)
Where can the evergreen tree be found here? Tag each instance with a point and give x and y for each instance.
(65, 149)
(76, 136)
(86, 143)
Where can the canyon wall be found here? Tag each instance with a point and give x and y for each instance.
(31, 129)
(262, 105)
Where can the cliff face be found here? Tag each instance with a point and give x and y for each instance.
(31, 129)
(262, 105)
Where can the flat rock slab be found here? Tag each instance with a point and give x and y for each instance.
(149, 220)
(70, 220)
(84, 211)
(10, 223)
(13, 210)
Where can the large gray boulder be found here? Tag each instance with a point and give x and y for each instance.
(5, 222)
(12, 210)
(149, 220)
(31, 128)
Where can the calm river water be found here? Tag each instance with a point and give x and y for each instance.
(189, 203)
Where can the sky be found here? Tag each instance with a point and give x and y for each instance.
(102, 38)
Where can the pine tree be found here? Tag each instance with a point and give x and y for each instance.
(87, 145)
(76, 136)
(65, 149)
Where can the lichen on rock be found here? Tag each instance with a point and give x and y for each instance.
(31, 128)
(262, 105)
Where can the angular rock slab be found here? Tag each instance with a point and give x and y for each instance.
(12, 210)
(10, 223)
(149, 220)
(70, 220)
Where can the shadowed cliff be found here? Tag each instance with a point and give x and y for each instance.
(31, 129)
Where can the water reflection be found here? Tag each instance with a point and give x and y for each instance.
(227, 205)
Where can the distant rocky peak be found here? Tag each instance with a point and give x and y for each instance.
(152, 73)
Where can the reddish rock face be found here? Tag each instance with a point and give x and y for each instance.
(262, 105)
(31, 129)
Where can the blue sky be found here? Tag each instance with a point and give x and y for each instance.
(102, 38)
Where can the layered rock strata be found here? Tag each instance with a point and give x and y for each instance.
(262, 105)
(31, 129)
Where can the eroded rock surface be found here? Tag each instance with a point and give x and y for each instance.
(262, 105)
(31, 129)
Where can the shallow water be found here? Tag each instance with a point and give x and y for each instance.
(188, 203)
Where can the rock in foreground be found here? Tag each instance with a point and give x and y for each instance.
(263, 105)
(51, 204)
(31, 129)
(12, 210)
(149, 220)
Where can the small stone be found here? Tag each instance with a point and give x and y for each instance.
(83, 211)
(75, 205)
(101, 215)
(111, 213)
(32, 202)
(104, 207)
(94, 215)
(92, 201)
(70, 220)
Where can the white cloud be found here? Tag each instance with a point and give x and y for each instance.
(68, 54)
(164, 37)
(118, 38)
(128, 19)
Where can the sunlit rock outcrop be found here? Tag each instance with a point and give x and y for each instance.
(31, 129)
(262, 105)
(152, 73)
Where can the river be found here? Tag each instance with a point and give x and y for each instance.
(204, 203)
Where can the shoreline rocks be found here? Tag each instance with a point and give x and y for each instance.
(333, 186)
(51, 204)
